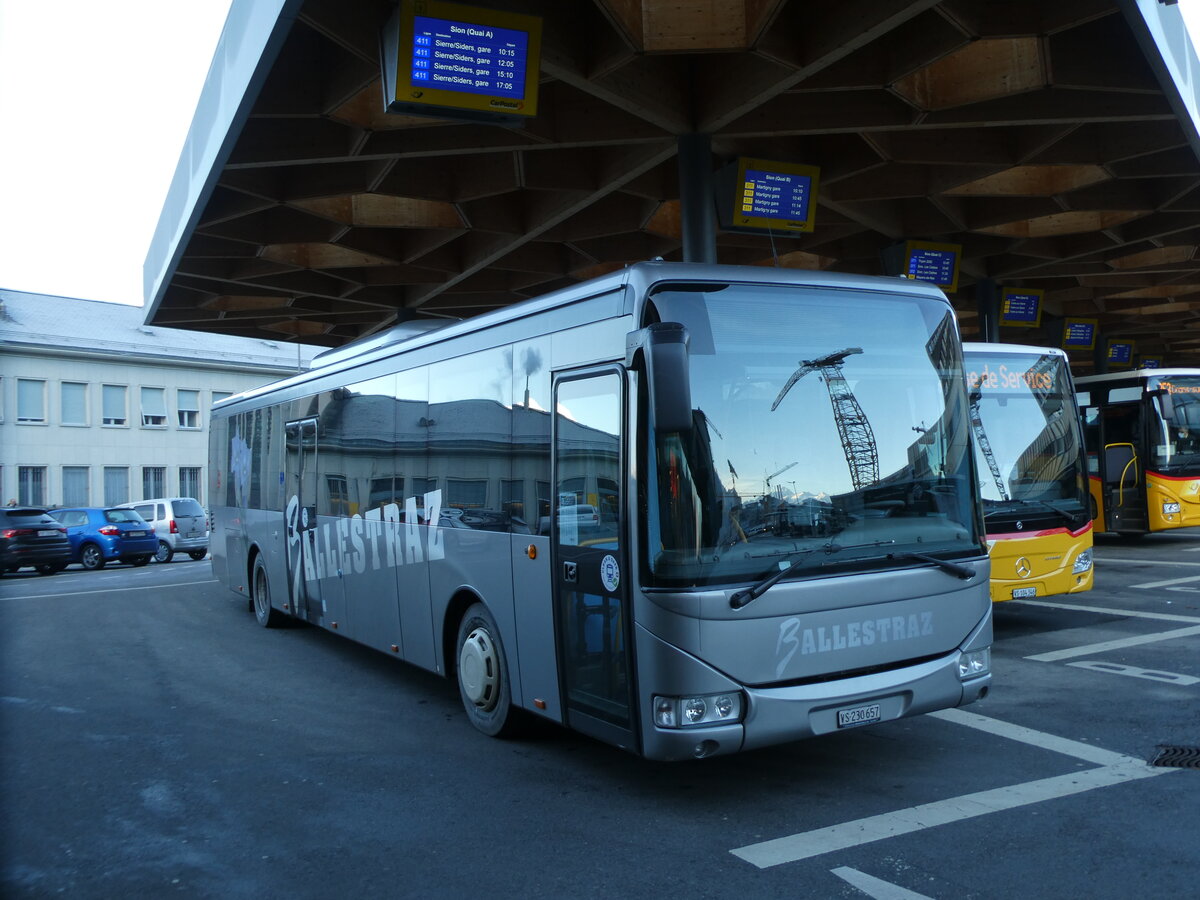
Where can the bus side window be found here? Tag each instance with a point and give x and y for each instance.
(1091, 438)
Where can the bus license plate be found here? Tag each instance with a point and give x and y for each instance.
(1021, 593)
(859, 715)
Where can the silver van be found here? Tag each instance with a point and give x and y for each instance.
(180, 524)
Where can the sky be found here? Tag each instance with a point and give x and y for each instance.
(95, 102)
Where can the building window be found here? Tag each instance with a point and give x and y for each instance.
(218, 396)
(74, 404)
(75, 486)
(189, 482)
(512, 498)
(116, 485)
(154, 410)
(113, 400)
(463, 494)
(31, 485)
(154, 482)
(188, 412)
(31, 401)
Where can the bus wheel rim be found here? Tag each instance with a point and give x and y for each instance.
(478, 670)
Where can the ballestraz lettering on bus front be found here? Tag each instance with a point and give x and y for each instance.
(382, 538)
(864, 633)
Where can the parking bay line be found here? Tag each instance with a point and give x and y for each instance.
(1118, 644)
(1157, 584)
(1145, 562)
(149, 587)
(1116, 768)
(1129, 613)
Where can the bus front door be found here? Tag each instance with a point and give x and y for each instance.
(300, 474)
(588, 556)
(1124, 487)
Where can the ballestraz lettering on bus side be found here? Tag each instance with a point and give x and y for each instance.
(341, 547)
(854, 634)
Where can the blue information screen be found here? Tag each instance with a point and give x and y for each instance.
(1021, 307)
(1079, 334)
(934, 266)
(1120, 353)
(776, 195)
(475, 59)
(1151, 363)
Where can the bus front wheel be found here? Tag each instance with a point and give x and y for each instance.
(260, 596)
(483, 673)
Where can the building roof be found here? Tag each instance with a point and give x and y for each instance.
(1053, 142)
(65, 324)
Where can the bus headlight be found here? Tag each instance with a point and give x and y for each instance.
(1083, 562)
(707, 709)
(1169, 508)
(974, 663)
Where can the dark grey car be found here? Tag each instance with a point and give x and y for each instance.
(29, 536)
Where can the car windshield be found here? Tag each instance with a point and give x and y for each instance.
(1176, 435)
(186, 507)
(122, 515)
(1028, 443)
(821, 418)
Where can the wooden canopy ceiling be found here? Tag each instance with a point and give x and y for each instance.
(1034, 134)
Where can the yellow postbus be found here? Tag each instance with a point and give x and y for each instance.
(1142, 432)
(1031, 469)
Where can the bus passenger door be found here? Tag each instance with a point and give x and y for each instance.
(300, 473)
(1124, 485)
(588, 559)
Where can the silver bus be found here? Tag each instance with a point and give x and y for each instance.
(685, 509)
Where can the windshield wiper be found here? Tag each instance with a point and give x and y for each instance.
(743, 597)
(964, 572)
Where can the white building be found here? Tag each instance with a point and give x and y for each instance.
(97, 408)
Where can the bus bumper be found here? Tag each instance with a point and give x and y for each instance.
(776, 715)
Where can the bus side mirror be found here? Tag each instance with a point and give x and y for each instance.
(664, 349)
(1166, 404)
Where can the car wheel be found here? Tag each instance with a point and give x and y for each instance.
(139, 560)
(91, 557)
(260, 597)
(164, 552)
(197, 554)
(483, 674)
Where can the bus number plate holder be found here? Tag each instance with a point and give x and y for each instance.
(858, 715)
(1022, 593)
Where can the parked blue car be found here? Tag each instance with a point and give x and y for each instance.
(100, 535)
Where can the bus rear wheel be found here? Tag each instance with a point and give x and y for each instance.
(483, 674)
(260, 597)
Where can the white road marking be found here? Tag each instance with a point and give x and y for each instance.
(1116, 769)
(1157, 584)
(1146, 562)
(149, 587)
(1119, 644)
(1190, 549)
(942, 812)
(876, 887)
(1053, 742)
(1131, 613)
(1134, 672)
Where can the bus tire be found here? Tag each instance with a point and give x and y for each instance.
(483, 673)
(260, 597)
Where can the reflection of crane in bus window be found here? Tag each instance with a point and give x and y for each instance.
(858, 440)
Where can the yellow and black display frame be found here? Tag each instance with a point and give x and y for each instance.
(1120, 354)
(917, 252)
(1070, 343)
(403, 95)
(742, 216)
(1015, 306)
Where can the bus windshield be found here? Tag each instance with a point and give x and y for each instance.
(1176, 436)
(1027, 441)
(829, 427)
